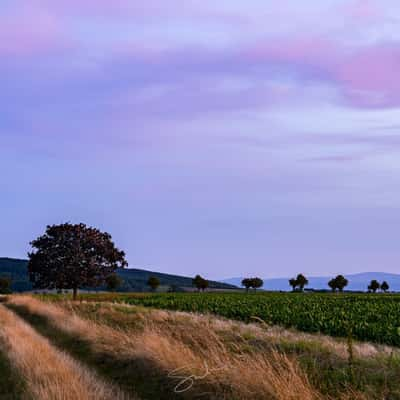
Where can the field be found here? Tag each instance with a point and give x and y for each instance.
(365, 317)
(108, 346)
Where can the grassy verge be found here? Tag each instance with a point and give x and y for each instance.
(47, 372)
(166, 349)
(138, 377)
(139, 346)
(12, 386)
(375, 370)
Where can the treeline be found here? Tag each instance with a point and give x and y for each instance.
(71, 257)
(336, 284)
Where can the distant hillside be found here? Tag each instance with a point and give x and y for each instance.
(17, 271)
(356, 281)
(133, 279)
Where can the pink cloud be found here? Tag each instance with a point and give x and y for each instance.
(363, 10)
(302, 50)
(28, 32)
(366, 76)
(370, 76)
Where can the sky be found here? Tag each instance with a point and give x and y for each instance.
(228, 138)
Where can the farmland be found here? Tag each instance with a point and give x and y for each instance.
(55, 348)
(365, 317)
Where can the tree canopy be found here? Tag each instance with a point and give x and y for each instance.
(247, 283)
(385, 286)
(71, 256)
(300, 281)
(340, 282)
(293, 283)
(254, 283)
(374, 285)
(200, 283)
(153, 282)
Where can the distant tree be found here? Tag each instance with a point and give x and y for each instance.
(5, 285)
(374, 285)
(200, 283)
(71, 256)
(385, 286)
(341, 282)
(113, 282)
(153, 282)
(196, 281)
(301, 281)
(257, 283)
(332, 284)
(204, 284)
(247, 283)
(293, 283)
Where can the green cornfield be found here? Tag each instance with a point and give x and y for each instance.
(366, 317)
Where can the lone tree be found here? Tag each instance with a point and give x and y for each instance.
(113, 282)
(247, 283)
(5, 285)
(153, 282)
(374, 286)
(200, 283)
(341, 282)
(293, 283)
(257, 283)
(204, 284)
(301, 281)
(332, 284)
(385, 286)
(70, 256)
(254, 283)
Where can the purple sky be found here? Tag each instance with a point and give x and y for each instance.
(223, 137)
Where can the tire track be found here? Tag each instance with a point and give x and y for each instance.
(49, 374)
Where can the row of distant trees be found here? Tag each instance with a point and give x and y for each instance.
(336, 284)
(71, 256)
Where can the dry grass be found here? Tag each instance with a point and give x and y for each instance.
(196, 360)
(136, 317)
(49, 374)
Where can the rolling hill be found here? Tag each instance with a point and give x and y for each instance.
(357, 282)
(133, 280)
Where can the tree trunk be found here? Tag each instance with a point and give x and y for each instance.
(74, 293)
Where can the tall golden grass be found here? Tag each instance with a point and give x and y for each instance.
(195, 360)
(49, 373)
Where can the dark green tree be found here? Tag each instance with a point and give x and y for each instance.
(257, 283)
(385, 286)
(332, 285)
(247, 283)
(113, 282)
(374, 286)
(341, 282)
(293, 283)
(71, 256)
(301, 281)
(200, 283)
(153, 282)
(196, 281)
(204, 284)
